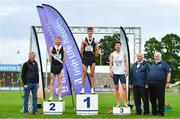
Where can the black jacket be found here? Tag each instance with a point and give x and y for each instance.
(30, 72)
(138, 76)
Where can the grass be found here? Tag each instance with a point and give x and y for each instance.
(11, 103)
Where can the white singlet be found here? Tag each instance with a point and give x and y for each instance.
(118, 63)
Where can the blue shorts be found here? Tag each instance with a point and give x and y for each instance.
(121, 77)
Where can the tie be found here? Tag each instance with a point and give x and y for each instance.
(138, 65)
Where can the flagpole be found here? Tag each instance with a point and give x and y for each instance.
(72, 98)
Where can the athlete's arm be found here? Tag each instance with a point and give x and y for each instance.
(126, 64)
(97, 49)
(82, 48)
(111, 64)
(168, 77)
(50, 54)
(64, 57)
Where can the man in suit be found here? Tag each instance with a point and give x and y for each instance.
(138, 78)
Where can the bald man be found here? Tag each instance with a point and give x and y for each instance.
(138, 78)
(159, 78)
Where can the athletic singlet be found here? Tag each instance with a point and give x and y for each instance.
(118, 63)
(89, 48)
(57, 56)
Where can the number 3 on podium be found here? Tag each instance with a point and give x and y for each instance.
(121, 110)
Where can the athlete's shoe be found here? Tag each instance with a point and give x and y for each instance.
(60, 98)
(92, 91)
(50, 98)
(82, 91)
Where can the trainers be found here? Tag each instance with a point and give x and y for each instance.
(26, 113)
(60, 98)
(92, 91)
(82, 91)
(50, 98)
(34, 113)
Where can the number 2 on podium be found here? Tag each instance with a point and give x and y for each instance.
(88, 101)
(52, 106)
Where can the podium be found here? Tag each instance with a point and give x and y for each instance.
(53, 107)
(87, 104)
(121, 110)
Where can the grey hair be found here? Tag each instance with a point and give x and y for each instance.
(140, 54)
(157, 53)
(32, 53)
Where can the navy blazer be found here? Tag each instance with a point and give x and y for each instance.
(158, 71)
(138, 76)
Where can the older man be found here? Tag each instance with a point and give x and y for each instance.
(138, 77)
(30, 78)
(159, 78)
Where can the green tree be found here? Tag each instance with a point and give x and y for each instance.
(171, 54)
(107, 46)
(98, 60)
(151, 46)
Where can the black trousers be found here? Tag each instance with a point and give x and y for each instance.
(157, 97)
(140, 92)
